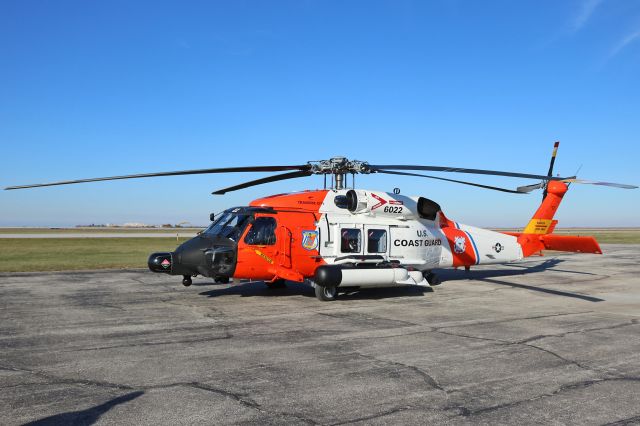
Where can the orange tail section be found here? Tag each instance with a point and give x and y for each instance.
(537, 235)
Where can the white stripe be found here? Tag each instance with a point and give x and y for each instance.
(473, 247)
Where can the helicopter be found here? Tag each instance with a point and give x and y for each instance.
(343, 239)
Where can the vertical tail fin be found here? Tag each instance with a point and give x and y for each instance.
(537, 235)
(542, 221)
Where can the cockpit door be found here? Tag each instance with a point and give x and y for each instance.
(284, 246)
(258, 251)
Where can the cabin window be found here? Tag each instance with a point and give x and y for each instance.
(262, 232)
(350, 241)
(376, 241)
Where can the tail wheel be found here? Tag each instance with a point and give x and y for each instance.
(326, 294)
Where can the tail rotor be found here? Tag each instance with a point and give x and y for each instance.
(550, 172)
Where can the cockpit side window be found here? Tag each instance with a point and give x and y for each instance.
(228, 225)
(262, 232)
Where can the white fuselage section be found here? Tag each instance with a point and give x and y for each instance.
(389, 227)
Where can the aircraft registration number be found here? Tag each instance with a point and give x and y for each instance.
(392, 209)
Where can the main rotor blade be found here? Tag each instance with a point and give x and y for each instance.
(590, 182)
(495, 188)
(529, 188)
(463, 170)
(177, 173)
(284, 176)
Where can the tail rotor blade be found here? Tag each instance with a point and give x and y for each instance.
(611, 184)
(553, 160)
(529, 188)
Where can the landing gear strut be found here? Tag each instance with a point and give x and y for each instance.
(432, 279)
(186, 280)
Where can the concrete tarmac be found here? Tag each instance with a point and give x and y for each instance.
(552, 339)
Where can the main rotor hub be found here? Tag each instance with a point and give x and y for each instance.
(338, 165)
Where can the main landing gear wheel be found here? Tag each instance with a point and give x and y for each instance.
(276, 284)
(326, 294)
(221, 280)
(432, 279)
(186, 280)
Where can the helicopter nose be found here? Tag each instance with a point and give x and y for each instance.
(197, 256)
(161, 262)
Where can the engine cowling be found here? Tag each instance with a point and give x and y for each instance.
(387, 204)
(357, 201)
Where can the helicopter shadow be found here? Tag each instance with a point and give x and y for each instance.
(259, 289)
(385, 292)
(490, 275)
(84, 417)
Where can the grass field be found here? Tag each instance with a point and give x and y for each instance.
(602, 235)
(97, 230)
(64, 254)
(606, 236)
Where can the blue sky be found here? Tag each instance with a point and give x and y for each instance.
(105, 88)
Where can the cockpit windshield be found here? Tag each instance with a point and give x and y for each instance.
(229, 225)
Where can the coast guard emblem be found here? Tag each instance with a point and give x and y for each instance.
(460, 244)
(310, 240)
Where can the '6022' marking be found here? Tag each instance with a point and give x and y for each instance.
(392, 209)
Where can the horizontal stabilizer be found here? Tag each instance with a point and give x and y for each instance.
(533, 243)
(571, 243)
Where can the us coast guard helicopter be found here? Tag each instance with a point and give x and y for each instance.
(345, 238)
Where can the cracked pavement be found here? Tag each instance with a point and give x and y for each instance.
(552, 339)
